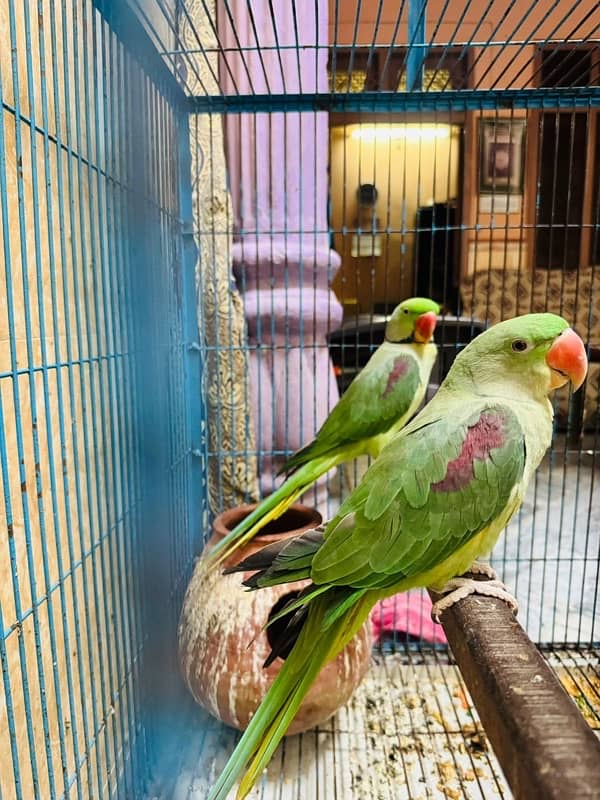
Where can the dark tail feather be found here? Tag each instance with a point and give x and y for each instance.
(252, 581)
(285, 627)
(281, 645)
(281, 562)
(262, 559)
(278, 563)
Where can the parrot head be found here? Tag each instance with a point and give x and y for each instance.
(535, 352)
(413, 320)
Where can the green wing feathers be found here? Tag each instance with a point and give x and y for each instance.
(429, 492)
(376, 399)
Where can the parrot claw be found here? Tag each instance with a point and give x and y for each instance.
(459, 588)
(479, 568)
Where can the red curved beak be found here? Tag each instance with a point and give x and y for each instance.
(425, 326)
(567, 360)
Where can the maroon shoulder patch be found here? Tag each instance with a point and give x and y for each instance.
(400, 368)
(485, 435)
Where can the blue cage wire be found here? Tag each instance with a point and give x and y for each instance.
(125, 425)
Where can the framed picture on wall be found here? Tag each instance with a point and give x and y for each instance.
(501, 156)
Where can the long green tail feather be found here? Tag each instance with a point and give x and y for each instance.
(281, 722)
(279, 706)
(269, 509)
(303, 457)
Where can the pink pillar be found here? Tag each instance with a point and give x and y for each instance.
(277, 166)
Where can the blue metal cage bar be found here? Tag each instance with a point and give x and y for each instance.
(103, 461)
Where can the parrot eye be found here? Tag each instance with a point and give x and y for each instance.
(519, 345)
(405, 310)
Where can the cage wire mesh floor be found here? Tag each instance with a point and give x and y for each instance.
(409, 732)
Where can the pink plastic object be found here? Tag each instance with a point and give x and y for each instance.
(409, 612)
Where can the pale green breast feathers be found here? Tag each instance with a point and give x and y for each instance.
(442, 486)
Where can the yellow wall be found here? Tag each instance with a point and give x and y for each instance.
(411, 165)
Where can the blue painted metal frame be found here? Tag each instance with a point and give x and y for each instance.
(127, 26)
(417, 45)
(401, 102)
(171, 539)
(168, 379)
(134, 506)
(193, 355)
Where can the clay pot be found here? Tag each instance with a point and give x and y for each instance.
(222, 646)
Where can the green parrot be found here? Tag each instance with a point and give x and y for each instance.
(377, 404)
(434, 501)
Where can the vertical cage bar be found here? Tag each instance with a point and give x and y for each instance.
(415, 59)
(191, 340)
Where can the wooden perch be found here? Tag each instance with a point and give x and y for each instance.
(543, 744)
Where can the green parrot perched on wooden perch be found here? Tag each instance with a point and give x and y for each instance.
(377, 404)
(434, 501)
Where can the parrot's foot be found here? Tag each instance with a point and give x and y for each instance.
(479, 568)
(459, 588)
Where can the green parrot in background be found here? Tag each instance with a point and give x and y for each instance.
(377, 404)
(434, 501)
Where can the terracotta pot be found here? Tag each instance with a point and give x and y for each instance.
(222, 646)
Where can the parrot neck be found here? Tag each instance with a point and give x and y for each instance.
(479, 379)
(407, 340)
